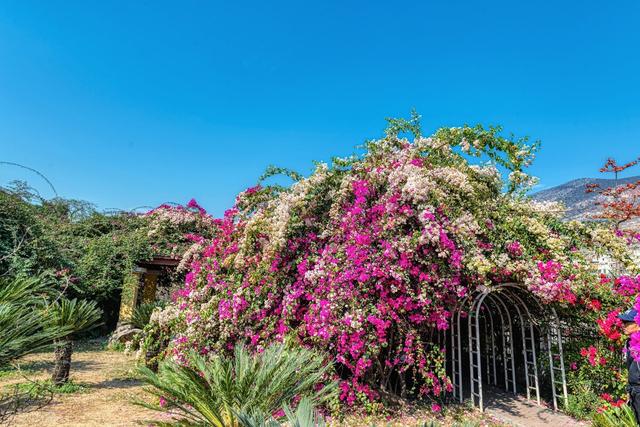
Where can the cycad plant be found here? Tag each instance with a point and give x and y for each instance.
(75, 316)
(22, 322)
(22, 331)
(142, 314)
(243, 390)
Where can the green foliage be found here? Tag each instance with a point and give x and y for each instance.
(395, 127)
(245, 389)
(23, 243)
(117, 346)
(616, 417)
(305, 415)
(457, 424)
(91, 252)
(22, 322)
(582, 402)
(18, 397)
(275, 170)
(76, 315)
(142, 314)
(69, 387)
(108, 247)
(586, 382)
(36, 388)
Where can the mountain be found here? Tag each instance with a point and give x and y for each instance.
(580, 204)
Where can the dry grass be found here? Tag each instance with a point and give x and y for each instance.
(110, 386)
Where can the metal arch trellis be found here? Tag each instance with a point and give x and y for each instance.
(507, 345)
(554, 337)
(496, 297)
(529, 349)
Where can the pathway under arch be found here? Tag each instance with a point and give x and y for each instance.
(518, 411)
(497, 339)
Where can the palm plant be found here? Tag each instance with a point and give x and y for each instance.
(22, 331)
(21, 322)
(244, 390)
(76, 316)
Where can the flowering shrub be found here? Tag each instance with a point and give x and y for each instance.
(175, 231)
(595, 376)
(366, 258)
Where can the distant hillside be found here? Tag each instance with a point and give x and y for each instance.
(580, 204)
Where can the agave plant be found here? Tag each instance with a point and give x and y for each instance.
(244, 390)
(75, 316)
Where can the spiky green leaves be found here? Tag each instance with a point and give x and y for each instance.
(244, 390)
(75, 315)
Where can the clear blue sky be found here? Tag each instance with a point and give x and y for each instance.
(129, 103)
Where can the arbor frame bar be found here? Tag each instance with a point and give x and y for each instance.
(500, 298)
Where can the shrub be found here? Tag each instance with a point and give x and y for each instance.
(22, 324)
(621, 416)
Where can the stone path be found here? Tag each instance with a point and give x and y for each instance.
(518, 411)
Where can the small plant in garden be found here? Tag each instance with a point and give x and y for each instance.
(76, 315)
(246, 390)
(142, 314)
(24, 329)
(621, 416)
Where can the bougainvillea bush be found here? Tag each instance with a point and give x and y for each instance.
(366, 258)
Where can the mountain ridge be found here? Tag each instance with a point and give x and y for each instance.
(573, 194)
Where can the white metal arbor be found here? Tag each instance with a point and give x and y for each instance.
(505, 307)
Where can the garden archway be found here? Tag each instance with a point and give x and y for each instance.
(497, 335)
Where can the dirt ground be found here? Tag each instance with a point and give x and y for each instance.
(109, 385)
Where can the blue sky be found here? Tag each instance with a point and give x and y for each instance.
(130, 103)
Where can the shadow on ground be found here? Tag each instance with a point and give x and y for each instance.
(519, 411)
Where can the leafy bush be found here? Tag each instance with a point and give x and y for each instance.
(244, 389)
(621, 416)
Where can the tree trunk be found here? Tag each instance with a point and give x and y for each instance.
(151, 360)
(62, 356)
